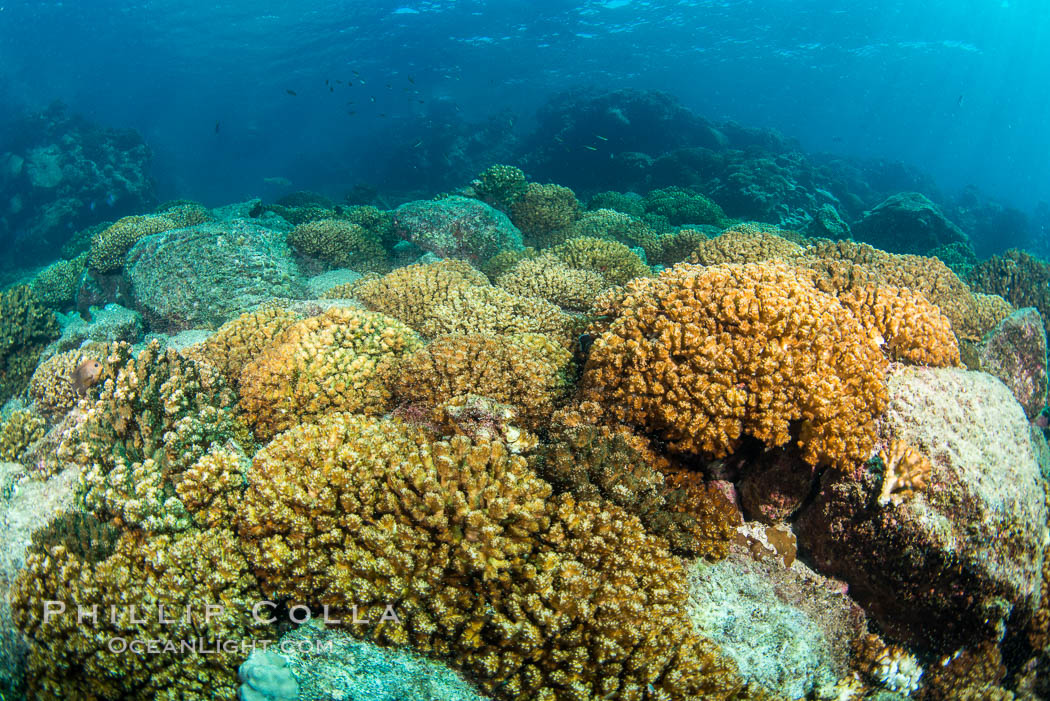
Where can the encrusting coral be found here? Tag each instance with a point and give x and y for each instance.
(56, 285)
(340, 360)
(682, 206)
(340, 243)
(1021, 278)
(702, 356)
(25, 328)
(74, 655)
(493, 310)
(153, 418)
(616, 226)
(532, 597)
(500, 186)
(109, 247)
(744, 245)
(529, 373)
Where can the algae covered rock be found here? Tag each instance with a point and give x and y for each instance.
(907, 222)
(318, 664)
(1015, 352)
(200, 276)
(456, 227)
(25, 328)
(947, 564)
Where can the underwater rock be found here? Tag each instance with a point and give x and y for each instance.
(265, 676)
(775, 484)
(26, 504)
(321, 664)
(456, 227)
(949, 565)
(319, 284)
(109, 324)
(200, 276)
(787, 628)
(1015, 352)
(907, 222)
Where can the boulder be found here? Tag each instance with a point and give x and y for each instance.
(456, 227)
(907, 222)
(1015, 352)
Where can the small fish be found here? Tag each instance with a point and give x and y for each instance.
(92, 206)
(418, 143)
(601, 137)
(584, 343)
(86, 375)
(411, 80)
(277, 182)
(352, 113)
(960, 101)
(389, 86)
(338, 82)
(355, 73)
(422, 102)
(111, 199)
(590, 148)
(382, 114)
(291, 92)
(216, 126)
(326, 81)
(373, 98)
(361, 81)
(331, 89)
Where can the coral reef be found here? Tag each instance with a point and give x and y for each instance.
(616, 226)
(596, 463)
(1020, 278)
(201, 276)
(951, 564)
(185, 213)
(18, 431)
(493, 310)
(702, 356)
(341, 360)
(683, 206)
(26, 327)
(744, 244)
(528, 373)
(545, 214)
(172, 579)
(611, 259)
(109, 247)
(627, 203)
(242, 339)
(500, 186)
(908, 327)
(410, 293)
(341, 244)
(548, 278)
(477, 418)
(516, 589)
(456, 227)
(153, 418)
(56, 285)
(54, 388)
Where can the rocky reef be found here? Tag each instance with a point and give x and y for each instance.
(526, 441)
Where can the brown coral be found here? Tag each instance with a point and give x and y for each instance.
(74, 658)
(526, 372)
(20, 430)
(550, 279)
(909, 328)
(409, 293)
(969, 675)
(613, 260)
(337, 361)
(703, 356)
(544, 213)
(744, 245)
(109, 247)
(493, 310)
(1022, 279)
(53, 387)
(533, 597)
(340, 243)
(242, 339)
(26, 327)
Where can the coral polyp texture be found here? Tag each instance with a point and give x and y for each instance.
(527, 372)
(703, 356)
(341, 244)
(549, 278)
(545, 214)
(109, 247)
(170, 577)
(611, 259)
(456, 227)
(341, 360)
(152, 419)
(25, 328)
(241, 339)
(531, 597)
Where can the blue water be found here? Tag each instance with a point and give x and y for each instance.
(954, 87)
